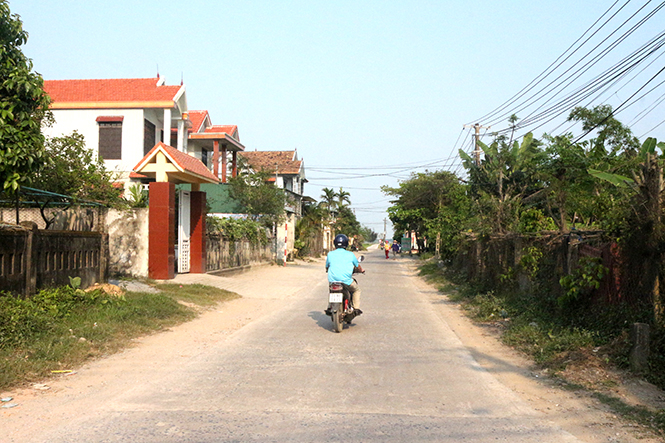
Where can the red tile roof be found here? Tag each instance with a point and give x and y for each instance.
(110, 118)
(197, 118)
(268, 160)
(111, 93)
(185, 162)
(228, 129)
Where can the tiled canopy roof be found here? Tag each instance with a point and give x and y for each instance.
(269, 160)
(190, 169)
(111, 93)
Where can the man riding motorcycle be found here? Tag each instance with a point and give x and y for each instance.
(340, 266)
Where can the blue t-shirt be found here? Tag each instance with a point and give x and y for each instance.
(340, 264)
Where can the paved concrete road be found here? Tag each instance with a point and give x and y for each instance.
(398, 374)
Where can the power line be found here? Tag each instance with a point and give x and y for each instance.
(570, 79)
(618, 108)
(545, 73)
(598, 85)
(652, 129)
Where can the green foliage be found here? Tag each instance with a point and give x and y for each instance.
(368, 234)
(546, 343)
(22, 319)
(138, 196)
(63, 327)
(506, 175)
(262, 200)
(75, 282)
(530, 261)
(74, 170)
(23, 106)
(533, 220)
(582, 281)
(238, 229)
(430, 203)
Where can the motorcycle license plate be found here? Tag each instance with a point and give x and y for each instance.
(336, 297)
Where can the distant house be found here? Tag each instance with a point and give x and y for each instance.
(288, 173)
(215, 145)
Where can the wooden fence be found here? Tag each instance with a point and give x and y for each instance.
(490, 262)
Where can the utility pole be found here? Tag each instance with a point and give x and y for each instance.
(476, 151)
(384, 228)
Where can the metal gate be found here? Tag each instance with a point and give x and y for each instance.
(184, 219)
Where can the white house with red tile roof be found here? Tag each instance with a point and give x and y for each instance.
(284, 166)
(121, 119)
(213, 144)
(288, 173)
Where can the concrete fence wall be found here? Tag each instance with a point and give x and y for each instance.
(128, 242)
(33, 259)
(225, 254)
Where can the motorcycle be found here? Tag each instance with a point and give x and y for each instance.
(340, 305)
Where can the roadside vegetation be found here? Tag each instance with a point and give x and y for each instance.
(557, 241)
(500, 231)
(59, 329)
(333, 212)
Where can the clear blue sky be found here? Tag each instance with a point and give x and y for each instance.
(350, 84)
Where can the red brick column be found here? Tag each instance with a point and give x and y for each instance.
(215, 158)
(161, 227)
(197, 239)
(223, 164)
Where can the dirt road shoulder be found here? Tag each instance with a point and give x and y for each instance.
(575, 411)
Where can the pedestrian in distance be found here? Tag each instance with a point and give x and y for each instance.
(386, 247)
(395, 248)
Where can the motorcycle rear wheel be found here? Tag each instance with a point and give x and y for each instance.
(337, 317)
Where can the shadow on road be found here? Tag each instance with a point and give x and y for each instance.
(323, 321)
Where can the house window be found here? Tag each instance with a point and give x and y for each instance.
(110, 137)
(148, 136)
(204, 157)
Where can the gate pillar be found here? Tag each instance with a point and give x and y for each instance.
(161, 239)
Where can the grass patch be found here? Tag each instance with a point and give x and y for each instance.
(64, 327)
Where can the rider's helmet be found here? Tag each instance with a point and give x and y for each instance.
(341, 241)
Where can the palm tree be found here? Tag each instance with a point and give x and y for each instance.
(343, 197)
(328, 199)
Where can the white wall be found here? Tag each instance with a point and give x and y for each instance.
(286, 230)
(84, 121)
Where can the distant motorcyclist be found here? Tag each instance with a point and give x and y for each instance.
(340, 265)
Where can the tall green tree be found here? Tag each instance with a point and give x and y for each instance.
(503, 179)
(571, 194)
(258, 197)
(343, 198)
(73, 170)
(328, 199)
(433, 204)
(23, 106)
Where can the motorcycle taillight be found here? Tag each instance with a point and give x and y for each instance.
(336, 287)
